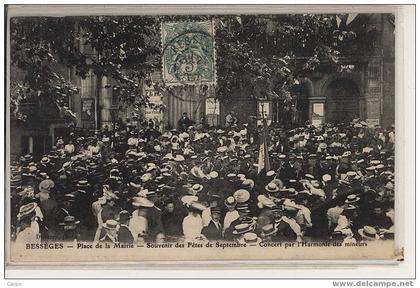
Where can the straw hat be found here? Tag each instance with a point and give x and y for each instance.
(196, 188)
(326, 177)
(250, 238)
(241, 195)
(188, 199)
(264, 201)
(26, 210)
(248, 184)
(242, 229)
(230, 202)
(197, 206)
(110, 224)
(368, 233)
(46, 186)
(142, 202)
(352, 199)
(272, 188)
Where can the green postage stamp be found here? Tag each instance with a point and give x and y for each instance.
(188, 52)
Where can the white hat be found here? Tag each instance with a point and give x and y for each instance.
(142, 202)
(150, 167)
(222, 149)
(351, 174)
(197, 206)
(241, 195)
(179, 158)
(213, 174)
(270, 173)
(110, 224)
(250, 239)
(368, 232)
(326, 177)
(230, 201)
(188, 199)
(271, 187)
(264, 201)
(146, 177)
(346, 154)
(197, 188)
(352, 199)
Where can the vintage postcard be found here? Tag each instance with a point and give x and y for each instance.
(161, 135)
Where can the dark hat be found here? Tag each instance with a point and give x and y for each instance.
(216, 210)
(338, 235)
(268, 230)
(28, 157)
(124, 216)
(248, 220)
(69, 222)
(70, 197)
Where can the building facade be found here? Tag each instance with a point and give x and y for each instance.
(366, 92)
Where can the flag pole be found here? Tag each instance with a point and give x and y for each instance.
(263, 160)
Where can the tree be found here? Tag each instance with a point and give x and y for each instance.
(124, 48)
(273, 53)
(269, 53)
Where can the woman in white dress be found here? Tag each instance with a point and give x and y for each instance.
(138, 222)
(193, 223)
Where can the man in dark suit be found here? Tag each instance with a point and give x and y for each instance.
(172, 218)
(184, 122)
(213, 231)
(124, 233)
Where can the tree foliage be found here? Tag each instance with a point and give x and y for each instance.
(273, 53)
(265, 55)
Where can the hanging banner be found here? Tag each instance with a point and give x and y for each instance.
(212, 106)
(153, 110)
(264, 112)
(88, 113)
(212, 111)
(318, 114)
(188, 53)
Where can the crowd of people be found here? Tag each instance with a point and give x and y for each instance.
(135, 184)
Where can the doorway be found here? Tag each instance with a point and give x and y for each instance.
(342, 101)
